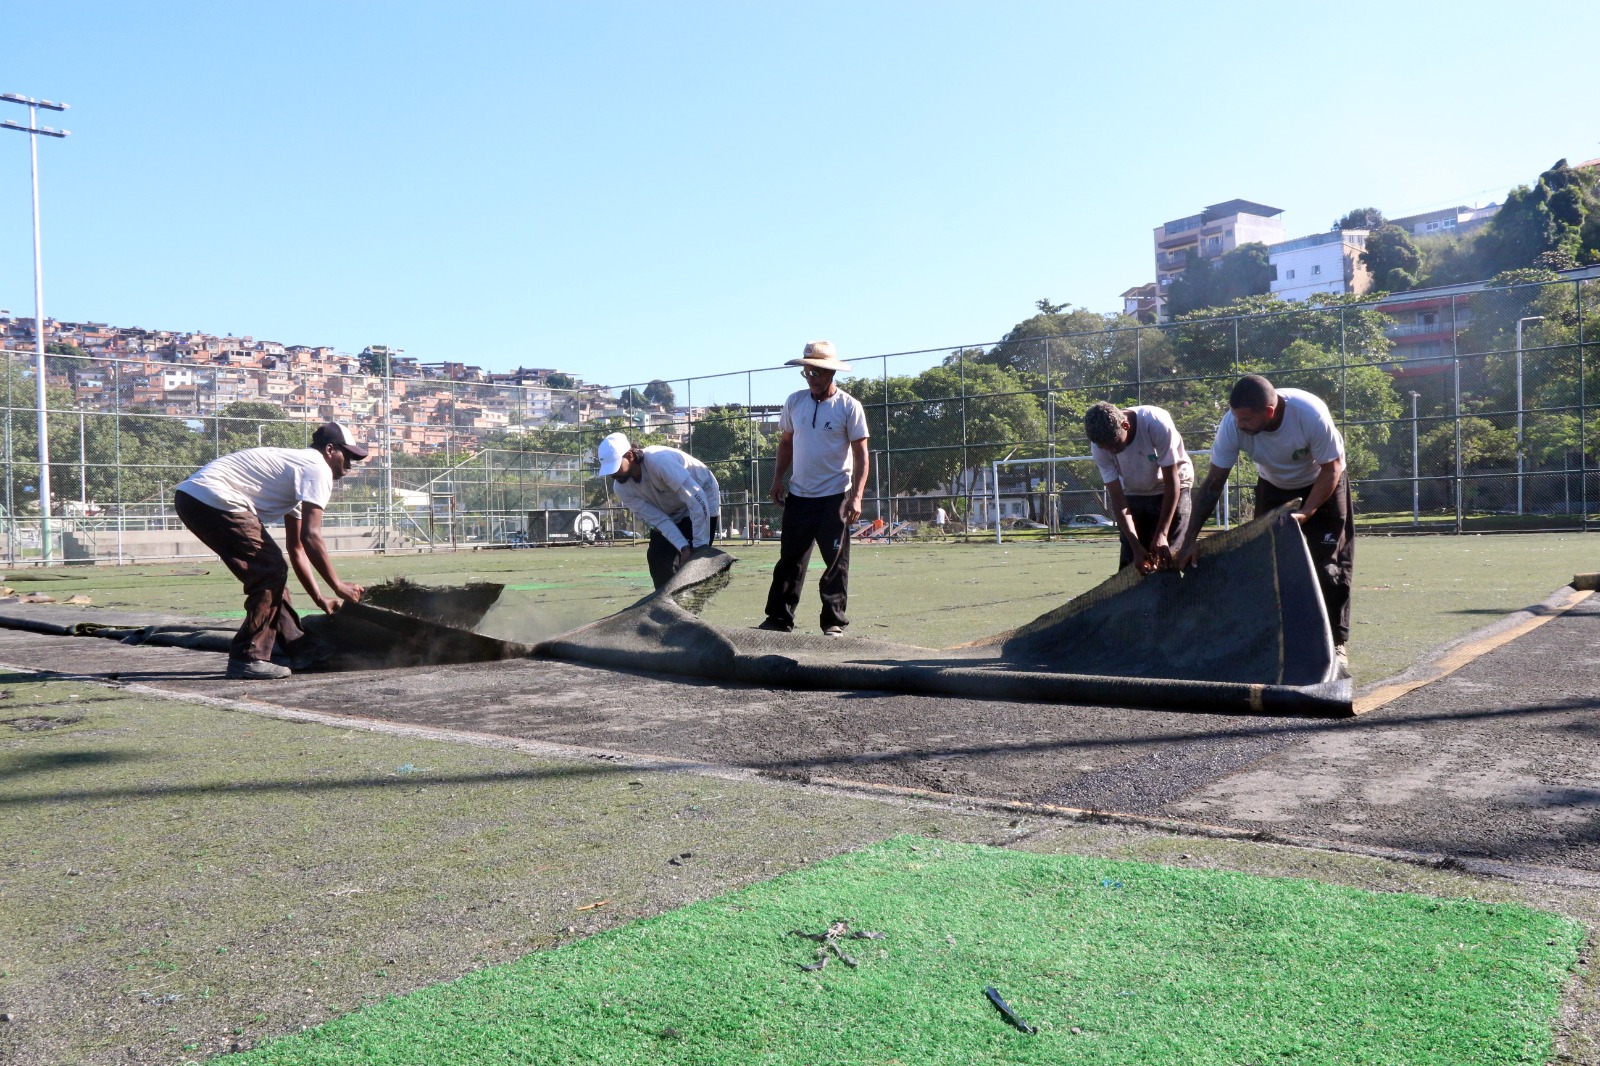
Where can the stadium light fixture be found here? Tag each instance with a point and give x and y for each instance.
(34, 132)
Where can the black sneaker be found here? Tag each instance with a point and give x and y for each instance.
(255, 670)
(773, 625)
(833, 631)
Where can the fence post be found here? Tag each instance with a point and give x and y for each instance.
(1344, 375)
(1455, 353)
(1583, 421)
(11, 504)
(1138, 364)
(116, 432)
(753, 470)
(966, 460)
(888, 461)
(1457, 365)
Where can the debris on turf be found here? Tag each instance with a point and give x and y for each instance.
(829, 939)
(1005, 1008)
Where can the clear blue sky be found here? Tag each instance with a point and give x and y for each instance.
(638, 190)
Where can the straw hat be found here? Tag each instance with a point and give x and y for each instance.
(819, 354)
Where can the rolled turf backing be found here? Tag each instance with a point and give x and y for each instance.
(1112, 962)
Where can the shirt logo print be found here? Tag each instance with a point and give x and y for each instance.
(1300, 453)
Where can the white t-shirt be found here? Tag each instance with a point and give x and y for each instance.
(1289, 456)
(1156, 443)
(823, 432)
(674, 485)
(270, 482)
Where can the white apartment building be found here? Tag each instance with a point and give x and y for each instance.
(1323, 262)
(1446, 222)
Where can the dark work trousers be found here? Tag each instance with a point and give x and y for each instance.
(1146, 512)
(811, 521)
(663, 557)
(1330, 533)
(255, 559)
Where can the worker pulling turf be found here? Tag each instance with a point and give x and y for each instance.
(228, 504)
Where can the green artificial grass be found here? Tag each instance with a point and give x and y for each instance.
(1113, 962)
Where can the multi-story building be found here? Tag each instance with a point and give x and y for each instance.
(1449, 221)
(1212, 233)
(1323, 262)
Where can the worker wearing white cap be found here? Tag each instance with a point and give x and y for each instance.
(669, 490)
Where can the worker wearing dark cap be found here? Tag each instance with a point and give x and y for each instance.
(228, 504)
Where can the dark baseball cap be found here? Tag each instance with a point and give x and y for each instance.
(337, 433)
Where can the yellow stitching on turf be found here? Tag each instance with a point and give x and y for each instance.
(1455, 660)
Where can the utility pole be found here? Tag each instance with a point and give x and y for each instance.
(34, 131)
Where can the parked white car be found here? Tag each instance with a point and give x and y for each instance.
(1090, 521)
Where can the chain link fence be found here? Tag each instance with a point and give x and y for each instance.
(1464, 409)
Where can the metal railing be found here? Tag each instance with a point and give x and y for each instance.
(1492, 425)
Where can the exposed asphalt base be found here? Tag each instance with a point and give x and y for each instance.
(1491, 769)
(1498, 761)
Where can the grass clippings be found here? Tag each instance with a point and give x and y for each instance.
(1112, 962)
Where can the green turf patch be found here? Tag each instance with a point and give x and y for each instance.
(1113, 962)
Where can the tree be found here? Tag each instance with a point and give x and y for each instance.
(1362, 397)
(1556, 214)
(1392, 258)
(1063, 344)
(558, 380)
(726, 440)
(659, 392)
(1367, 218)
(71, 358)
(953, 418)
(632, 398)
(376, 360)
(246, 423)
(1243, 271)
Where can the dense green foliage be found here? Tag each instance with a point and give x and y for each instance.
(1244, 271)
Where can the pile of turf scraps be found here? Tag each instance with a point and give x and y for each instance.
(1106, 961)
(1245, 631)
(401, 623)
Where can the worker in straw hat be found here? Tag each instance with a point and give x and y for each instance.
(672, 492)
(823, 453)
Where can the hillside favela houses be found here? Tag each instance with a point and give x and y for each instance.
(196, 375)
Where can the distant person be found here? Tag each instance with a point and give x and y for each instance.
(823, 449)
(229, 502)
(672, 492)
(1299, 454)
(940, 518)
(1147, 474)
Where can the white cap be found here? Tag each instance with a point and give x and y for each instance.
(612, 449)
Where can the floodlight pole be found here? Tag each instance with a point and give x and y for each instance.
(34, 130)
(1520, 321)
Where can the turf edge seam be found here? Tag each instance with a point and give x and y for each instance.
(1468, 649)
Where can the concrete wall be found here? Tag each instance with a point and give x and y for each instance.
(158, 544)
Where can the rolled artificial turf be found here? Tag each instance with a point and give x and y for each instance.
(1111, 962)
